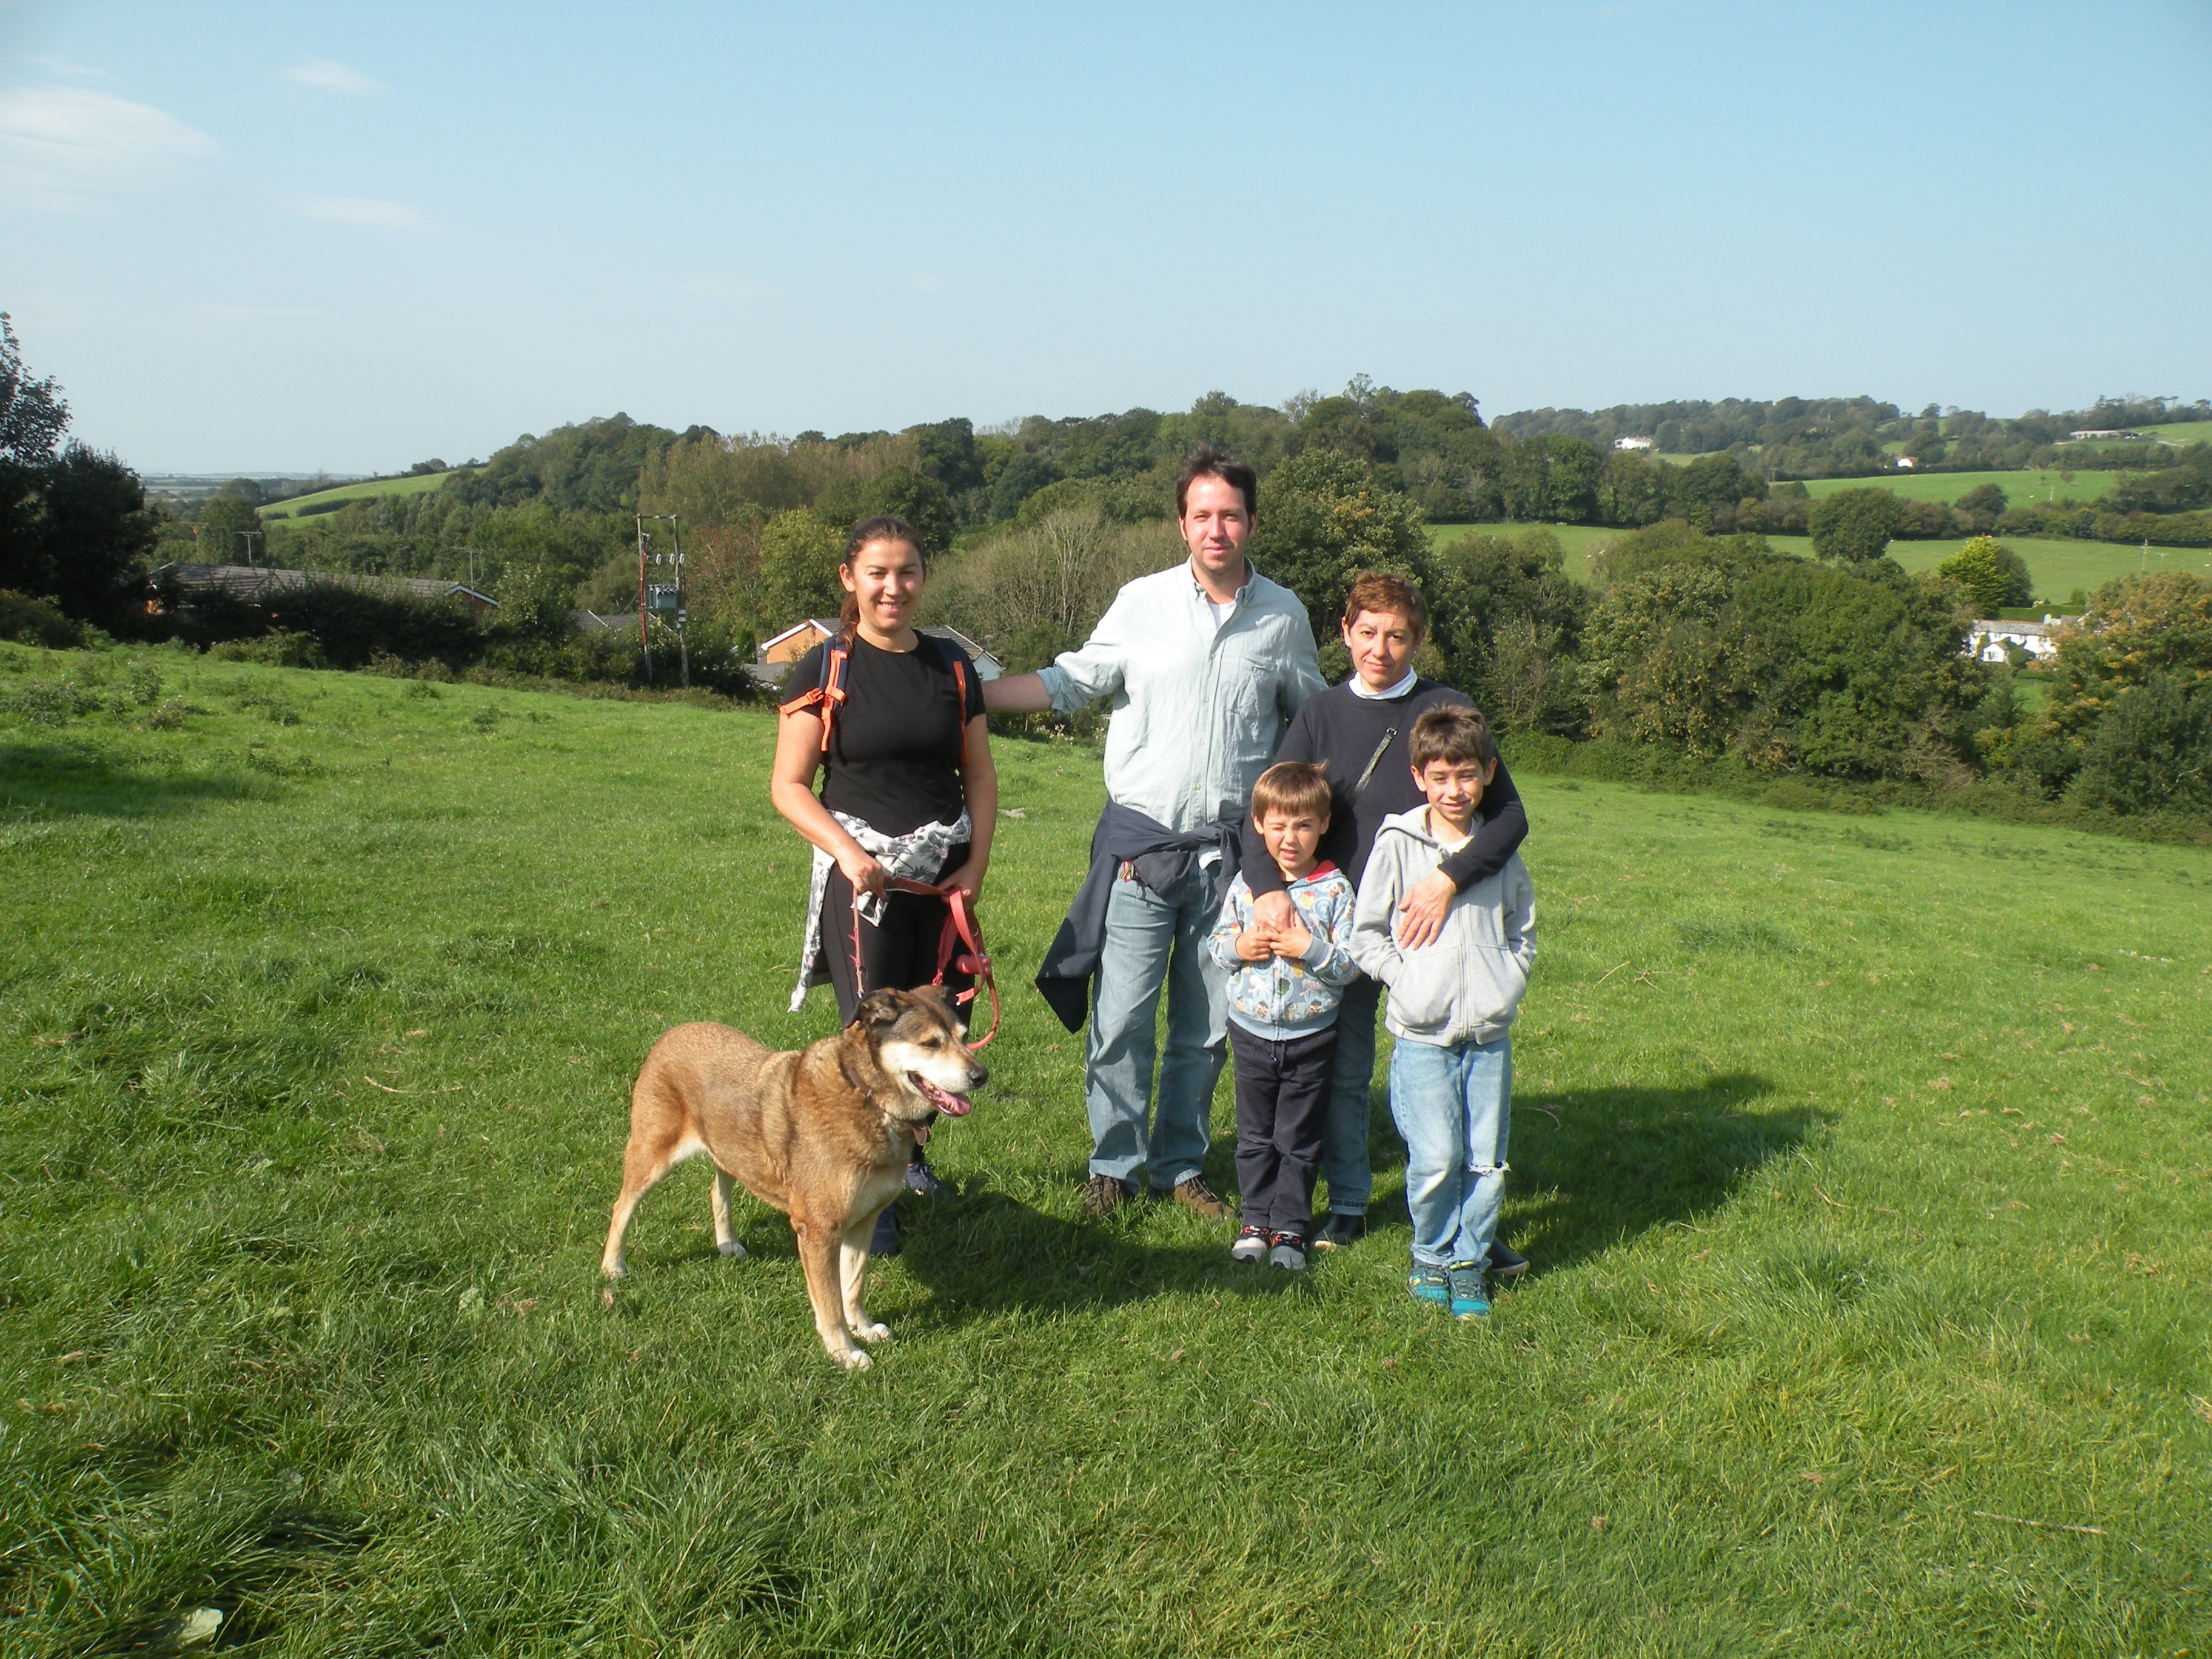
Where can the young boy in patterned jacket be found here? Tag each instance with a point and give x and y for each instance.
(1283, 998)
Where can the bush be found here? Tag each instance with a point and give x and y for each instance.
(37, 621)
(2152, 751)
(279, 648)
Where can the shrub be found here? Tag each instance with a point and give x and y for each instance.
(280, 648)
(37, 621)
(2152, 751)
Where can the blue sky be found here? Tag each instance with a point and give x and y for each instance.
(352, 237)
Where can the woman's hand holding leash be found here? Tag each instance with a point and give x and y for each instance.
(969, 879)
(861, 871)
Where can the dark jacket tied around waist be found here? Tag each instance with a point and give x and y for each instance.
(1159, 858)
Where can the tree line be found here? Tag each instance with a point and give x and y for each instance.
(1697, 637)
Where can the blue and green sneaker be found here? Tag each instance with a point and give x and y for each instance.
(1429, 1284)
(1469, 1293)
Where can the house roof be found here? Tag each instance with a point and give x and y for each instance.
(941, 632)
(824, 626)
(248, 581)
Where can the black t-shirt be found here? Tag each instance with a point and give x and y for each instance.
(894, 759)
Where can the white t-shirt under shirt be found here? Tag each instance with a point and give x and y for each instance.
(1442, 832)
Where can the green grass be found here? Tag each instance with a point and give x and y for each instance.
(414, 484)
(1862, 1160)
(2020, 488)
(2059, 565)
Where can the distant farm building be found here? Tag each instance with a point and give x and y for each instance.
(1906, 461)
(773, 662)
(1990, 640)
(1632, 443)
(2076, 437)
(258, 583)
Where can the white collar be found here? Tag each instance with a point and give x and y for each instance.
(1358, 688)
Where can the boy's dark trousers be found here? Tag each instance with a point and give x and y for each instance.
(1282, 1103)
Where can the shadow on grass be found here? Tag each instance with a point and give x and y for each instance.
(988, 1252)
(1593, 1167)
(51, 780)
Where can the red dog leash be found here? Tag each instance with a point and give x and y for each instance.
(959, 946)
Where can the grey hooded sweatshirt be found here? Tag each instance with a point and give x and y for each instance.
(1466, 985)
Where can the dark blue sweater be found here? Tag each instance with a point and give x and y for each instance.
(1341, 732)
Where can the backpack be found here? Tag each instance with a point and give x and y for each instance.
(829, 695)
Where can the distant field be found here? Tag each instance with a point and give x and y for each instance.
(2181, 432)
(2059, 567)
(416, 485)
(2020, 488)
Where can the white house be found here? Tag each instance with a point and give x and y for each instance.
(1632, 443)
(1907, 461)
(1989, 639)
(2077, 437)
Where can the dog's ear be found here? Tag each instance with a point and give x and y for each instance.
(880, 1009)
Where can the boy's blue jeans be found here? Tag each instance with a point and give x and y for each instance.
(1450, 1104)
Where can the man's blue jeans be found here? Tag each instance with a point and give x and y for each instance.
(1343, 1137)
(1451, 1106)
(1152, 942)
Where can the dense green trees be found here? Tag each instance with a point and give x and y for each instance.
(1855, 525)
(1725, 649)
(74, 523)
(1324, 518)
(228, 531)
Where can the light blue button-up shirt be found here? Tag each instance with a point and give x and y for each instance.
(1199, 708)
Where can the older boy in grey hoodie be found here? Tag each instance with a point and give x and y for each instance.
(1452, 1002)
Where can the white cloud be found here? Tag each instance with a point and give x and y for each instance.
(61, 147)
(361, 211)
(328, 75)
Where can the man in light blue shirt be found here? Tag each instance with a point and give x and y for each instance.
(1206, 663)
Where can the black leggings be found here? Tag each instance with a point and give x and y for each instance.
(899, 955)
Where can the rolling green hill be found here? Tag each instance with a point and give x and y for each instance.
(302, 507)
(2059, 567)
(2020, 488)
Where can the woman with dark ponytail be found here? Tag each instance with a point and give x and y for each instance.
(908, 789)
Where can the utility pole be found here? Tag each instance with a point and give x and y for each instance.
(644, 638)
(249, 537)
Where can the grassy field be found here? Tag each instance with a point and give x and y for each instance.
(1864, 1163)
(2020, 488)
(2179, 434)
(415, 484)
(2059, 565)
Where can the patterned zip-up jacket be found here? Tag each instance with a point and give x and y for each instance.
(1280, 999)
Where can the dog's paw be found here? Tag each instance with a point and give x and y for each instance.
(852, 1361)
(872, 1333)
(734, 1251)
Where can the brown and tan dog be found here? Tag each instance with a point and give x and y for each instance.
(823, 1134)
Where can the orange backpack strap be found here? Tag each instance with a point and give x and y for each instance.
(829, 695)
